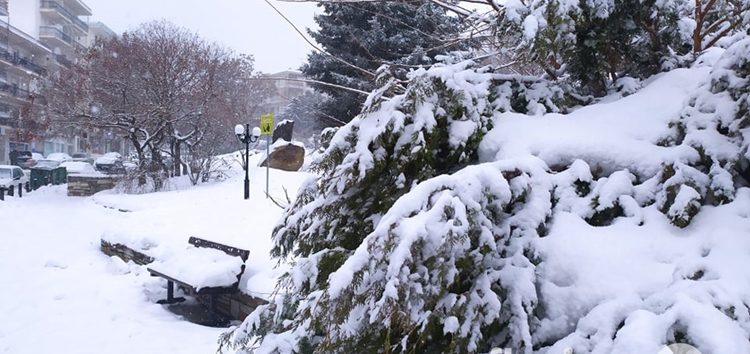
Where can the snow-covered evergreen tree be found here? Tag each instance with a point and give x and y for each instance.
(408, 242)
(432, 130)
(418, 236)
(305, 111)
(597, 42)
(360, 37)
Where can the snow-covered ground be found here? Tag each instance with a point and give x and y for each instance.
(60, 293)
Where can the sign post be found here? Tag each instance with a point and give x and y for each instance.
(266, 128)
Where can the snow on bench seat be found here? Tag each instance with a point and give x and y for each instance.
(201, 268)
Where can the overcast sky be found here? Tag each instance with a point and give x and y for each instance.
(247, 26)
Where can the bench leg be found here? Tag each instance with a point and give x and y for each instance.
(170, 290)
(170, 295)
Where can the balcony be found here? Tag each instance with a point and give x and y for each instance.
(58, 8)
(15, 91)
(23, 62)
(8, 121)
(63, 60)
(20, 94)
(77, 7)
(56, 35)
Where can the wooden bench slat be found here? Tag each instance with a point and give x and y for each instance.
(232, 251)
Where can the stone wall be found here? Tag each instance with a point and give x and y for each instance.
(235, 306)
(84, 186)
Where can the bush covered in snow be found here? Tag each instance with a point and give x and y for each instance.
(410, 242)
(713, 128)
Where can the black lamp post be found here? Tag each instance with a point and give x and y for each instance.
(242, 134)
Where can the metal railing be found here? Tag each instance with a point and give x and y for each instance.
(63, 60)
(14, 90)
(9, 122)
(16, 59)
(55, 32)
(21, 93)
(54, 5)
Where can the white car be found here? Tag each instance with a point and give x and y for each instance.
(59, 156)
(13, 179)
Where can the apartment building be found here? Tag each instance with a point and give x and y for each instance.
(288, 87)
(37, 38)
(98, 31)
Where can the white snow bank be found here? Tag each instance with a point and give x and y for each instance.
(63, 295)
(651, 279)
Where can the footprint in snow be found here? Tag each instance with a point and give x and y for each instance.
(55, 263)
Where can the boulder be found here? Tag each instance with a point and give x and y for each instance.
(287, 157)
(283, 130)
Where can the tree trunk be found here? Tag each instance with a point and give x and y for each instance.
(141, 159)
(697, 39)
(177, 154)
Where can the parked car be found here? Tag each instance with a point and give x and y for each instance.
(59, 156)
(47, 164)
(110, 163)
(13, 178)
(130, 166)
(24, 159)
(78, 167)
(83, 157)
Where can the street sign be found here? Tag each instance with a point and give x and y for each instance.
(266, 124)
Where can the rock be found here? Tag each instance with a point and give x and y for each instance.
(283, 130)
(287, 157)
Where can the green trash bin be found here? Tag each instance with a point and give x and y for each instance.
(40, 177)
(59, 176)
(45, 175)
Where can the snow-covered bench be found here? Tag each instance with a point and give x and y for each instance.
(208, 268)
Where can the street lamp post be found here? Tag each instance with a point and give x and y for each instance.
(242, 134)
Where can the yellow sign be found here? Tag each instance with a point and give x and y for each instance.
(266, 124)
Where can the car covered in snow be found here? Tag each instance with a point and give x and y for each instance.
(59, 156)
(110, 163)
(47, 164)
(23, 159)
(83, 157)
(13, 178)
(78, 168)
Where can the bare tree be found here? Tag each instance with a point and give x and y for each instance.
(716, 19)
(161, 86)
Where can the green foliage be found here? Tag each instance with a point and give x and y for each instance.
(368, 35)
(710, 132)
(594, 42)
(432, 129)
